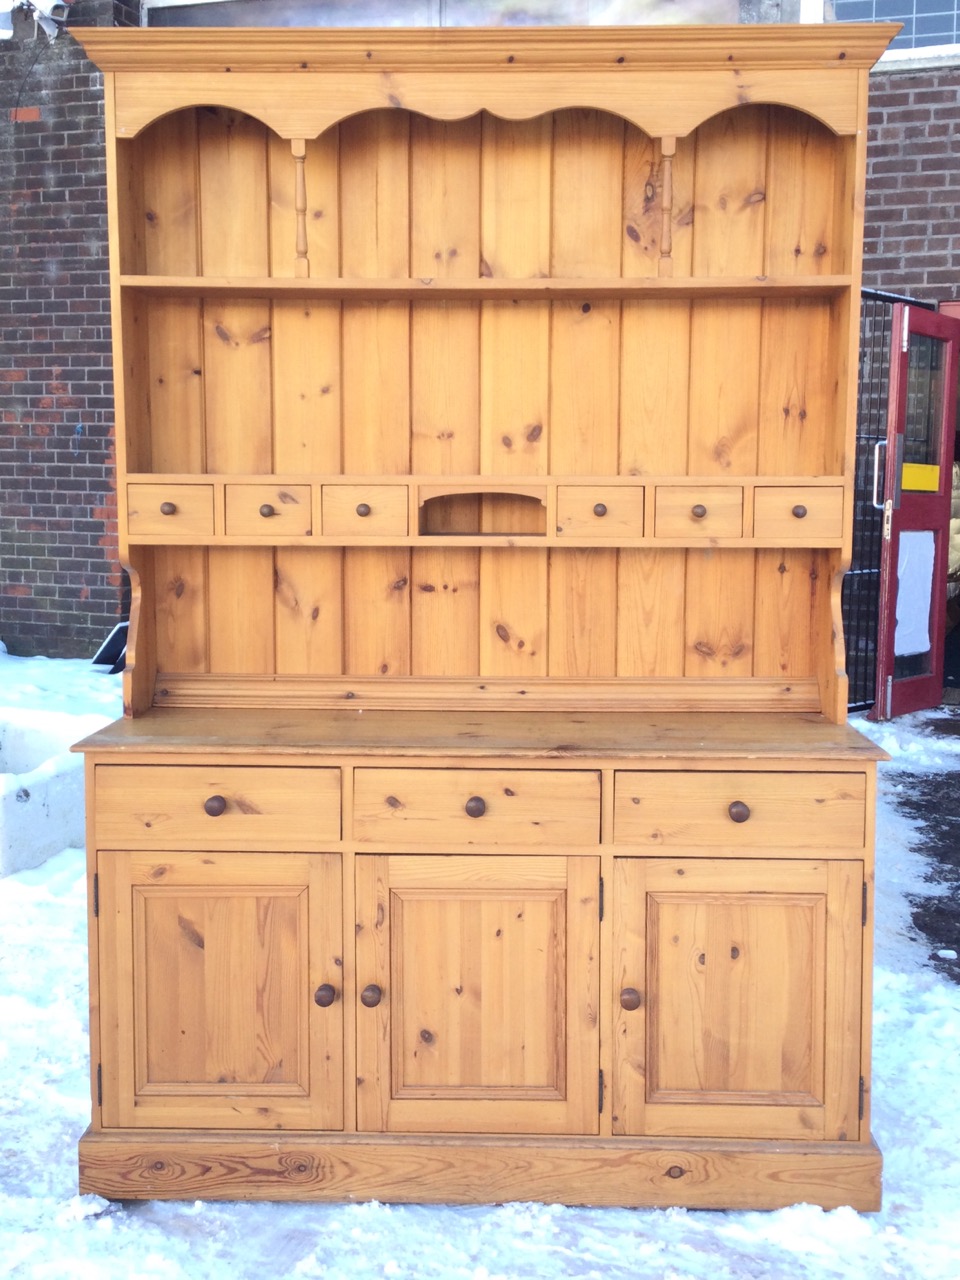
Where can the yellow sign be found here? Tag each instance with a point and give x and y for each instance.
(920, 477)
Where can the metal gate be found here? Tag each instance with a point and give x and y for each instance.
(861, 585)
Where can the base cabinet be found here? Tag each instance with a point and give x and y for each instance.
(702, 1006)
(484, 977)
(739, 1010)
(214, 970)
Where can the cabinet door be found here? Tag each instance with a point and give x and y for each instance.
(221, 990)
(737, 1007)
(479, 977)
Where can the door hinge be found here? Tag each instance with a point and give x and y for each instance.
(600, 898)
(863, 1088)
(863, 912)
(96, 894)
(905, 331)
(99, 1084)
(600, 1092)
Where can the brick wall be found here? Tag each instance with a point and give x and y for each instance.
(60, 585)
(912, 241)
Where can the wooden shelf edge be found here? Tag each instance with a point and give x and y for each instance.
(494, 540)
(351, 289)
(629, 1172)
(544, 693)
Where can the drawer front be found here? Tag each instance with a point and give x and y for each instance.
(219, 807)
(798, 512)
(594, 512)
(364, 509)
(658, 810)
(180, 510)
(477, 806)
(268, 510)
(699, 511)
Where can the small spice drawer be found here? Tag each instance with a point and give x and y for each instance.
(745, 811)
(218, 807)
(268, 510)
(364, 509)
(798, 512)
(476, 806)
(698, 511)
(588, 511)
(177, 510)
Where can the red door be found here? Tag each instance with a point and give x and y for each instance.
(917, 480)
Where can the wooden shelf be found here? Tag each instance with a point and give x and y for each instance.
(491, 290)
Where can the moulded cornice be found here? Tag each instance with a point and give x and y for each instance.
(665, 80)
(219, 49)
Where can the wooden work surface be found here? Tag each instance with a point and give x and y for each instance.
(547, 735)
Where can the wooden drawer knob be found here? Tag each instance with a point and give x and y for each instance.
(600, 509)
(475, 807)
(363, 509)
(267, 510)
(371, 996)
(214, 806)
(699, 511)
(630, 999)
(168, 508)
(799, 511)
(739, 811)
(325, 995)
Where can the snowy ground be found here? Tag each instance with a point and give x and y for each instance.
(48, 1231)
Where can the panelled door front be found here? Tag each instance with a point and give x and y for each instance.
(221, 990)
(921, 439)
(478, 987)
(738, 996)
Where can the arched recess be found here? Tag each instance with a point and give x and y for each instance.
(755, 190)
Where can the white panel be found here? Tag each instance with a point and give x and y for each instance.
(914, 593)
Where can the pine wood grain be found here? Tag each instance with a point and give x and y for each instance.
(179, 596)
(800, 187)
(216, 1018)
(702, 919)
(308, 606)
(445, 387)
(715, 1174)
(171, 196)
(489, 977)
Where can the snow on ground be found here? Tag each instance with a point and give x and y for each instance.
(48, 1232)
